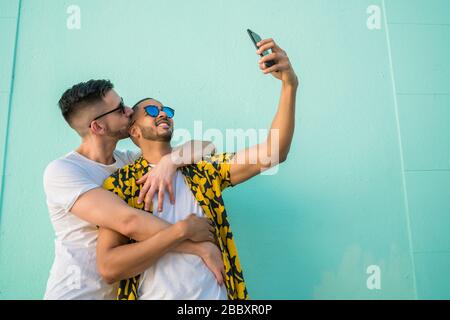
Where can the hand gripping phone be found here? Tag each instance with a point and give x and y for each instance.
(255, 39)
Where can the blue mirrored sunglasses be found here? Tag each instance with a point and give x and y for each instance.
(153, 111)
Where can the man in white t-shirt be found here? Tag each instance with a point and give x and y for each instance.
(173, 275)
(77, 204)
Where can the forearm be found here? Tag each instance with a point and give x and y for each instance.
(249, 162)
(103, 208)
(146, 226)
(147, 232)
(142, 226)
(125, 261)
(283, 124)
(191, 152)
(188, 246)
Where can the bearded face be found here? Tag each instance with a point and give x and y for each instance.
(118, 133)
(162, 130)
(153, 128)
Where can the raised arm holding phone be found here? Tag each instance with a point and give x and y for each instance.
(156, 273)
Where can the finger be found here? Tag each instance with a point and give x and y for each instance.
(160, 198)
(206, 238)
(223, 274)
(217, 274)
(269, 57)
(265, 47)
(149, 197)
(264, 41)
(271, 69)
(212, 229)
(275, 68)
(143, 178)
(216, 242)
(171, 193)
(144, 190)
(219, 277)
(281, 66)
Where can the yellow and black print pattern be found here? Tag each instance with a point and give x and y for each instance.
(206, 179)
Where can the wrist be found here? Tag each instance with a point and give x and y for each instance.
(171, 160)
(291, 81)
(175, 159)
(181, 229)
(289, 87)
(198, 249)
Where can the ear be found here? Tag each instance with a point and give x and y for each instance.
(96, 128)
(135, 132)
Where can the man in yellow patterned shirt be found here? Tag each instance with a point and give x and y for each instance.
(152, 269)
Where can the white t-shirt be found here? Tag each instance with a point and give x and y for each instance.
(178, 276)
(74, 272)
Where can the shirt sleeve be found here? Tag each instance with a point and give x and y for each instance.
(64, 183)
(221, 163)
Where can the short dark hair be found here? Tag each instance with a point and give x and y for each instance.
(81, 95)
(142, 100)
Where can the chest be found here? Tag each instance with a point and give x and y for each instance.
(185, 203)
(99, 172)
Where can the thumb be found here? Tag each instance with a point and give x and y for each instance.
(219, 276)
(217, 272)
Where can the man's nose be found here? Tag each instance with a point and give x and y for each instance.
(128, 111)
(162, 114)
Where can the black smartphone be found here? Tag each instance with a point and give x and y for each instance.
(255, 39)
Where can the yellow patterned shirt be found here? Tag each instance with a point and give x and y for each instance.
(206, 179)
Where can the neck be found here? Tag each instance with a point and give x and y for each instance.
(153, 151)
(98, 150)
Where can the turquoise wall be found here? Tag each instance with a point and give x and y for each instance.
(367, 181)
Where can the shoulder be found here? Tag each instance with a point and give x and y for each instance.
(66, 174)
(220, 158)
(120, 176)
(211, 165)
(217, 160)
(62, 167)
(121, 182)
(127, 156)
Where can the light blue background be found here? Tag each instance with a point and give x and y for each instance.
(367, 181)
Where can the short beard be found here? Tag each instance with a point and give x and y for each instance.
(148, 134)
(118, 134)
